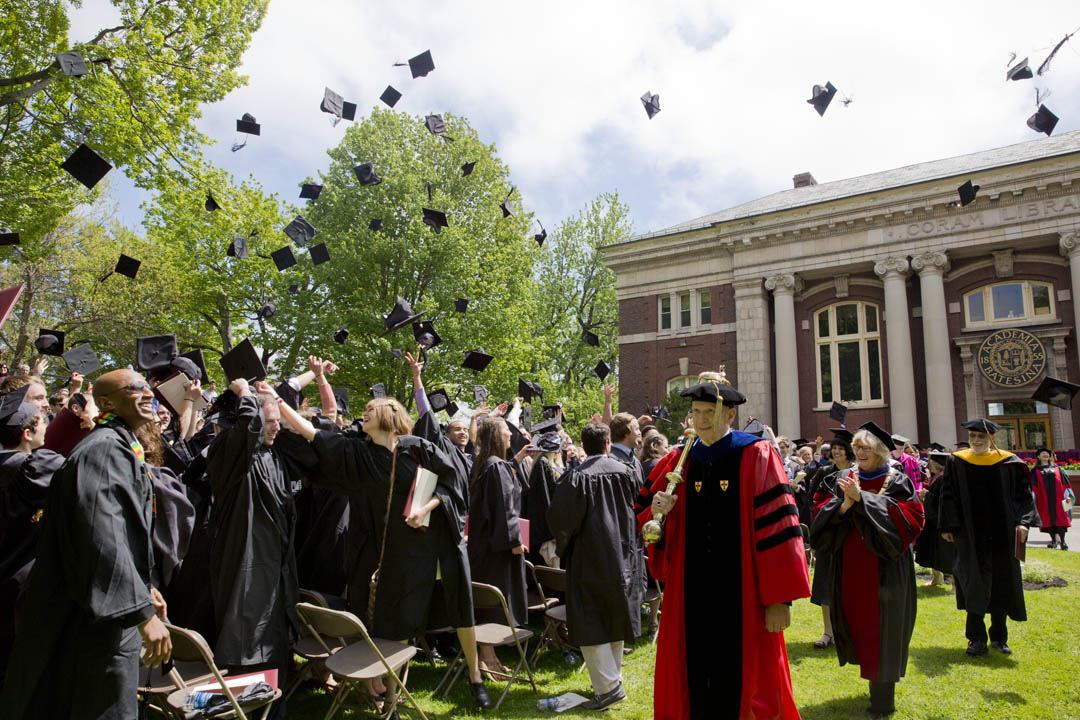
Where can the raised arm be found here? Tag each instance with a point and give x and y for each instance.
(188, 417)
(419, 395)
(608, 390)
(292, 417)
(326, 393)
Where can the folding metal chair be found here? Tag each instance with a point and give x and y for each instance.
(309, 648)
(537, 601)
(155, 686)
(553, 579)
(366, 659)
(189, 646)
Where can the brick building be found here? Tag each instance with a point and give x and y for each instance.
(880, 292)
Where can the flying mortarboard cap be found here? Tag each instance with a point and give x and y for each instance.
(400, 316)
(14, 410)
(211, 204)
(425, 334)
(967, 193)
(390, 96)
(461, 305)
(435, 124)
(375, 224)
(476, 360)
(467, 168)
(838, 412)
(438, 400)
(155, 352)
(82, 359)
(651, 103)
(822, 96)
(310, 191)
(1058, 393)
(1019, 71)
(541, 236)
(50, 342)
(341, 397)
(238, 248)
(283, 258)
(754, 427)
(880, 433)
(435, 219)
(341, 335)
(479, 394)
(365, 173)
(294, 289)
(421, 65)
(319, 254)
(196, 357)
(551, 411)
(528, 390)
(86, 166)
(266, 311)
(1043, 120)
(545, 426)
(378, 390)
(300, 231)
(8, 298)
(8, 236)
(602, 370)
(981, 425)
(246, 124)
(243, 362)
(128, 266)
(517, 440)
(591, 339)
(335, 104)
(504, 205)
(396, 353)
(72, 64)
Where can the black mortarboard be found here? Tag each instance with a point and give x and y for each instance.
(900, 440)
(238, 248)
(822, 96)
(14, 410)
(438, 400)
(1058, 393)
(880, 433)
(310, 191)
(981, 425)
(517, 440)
(155, 352)
(601, 370)
(86, 166)
(548, 442)
(940, 458)
(937, 447)
(651, 103)
(435, 124)
(421, 65)
(540, 237)
(8, 236)
(50, 342)
(591, 339)
(708, 391)
(211, 204)
(467, 168)
(266, 311)
(319, 254)
(335, 104)
(8, 298)
(365, 173)
(961, 445)
(504, 206)
(1043, 120)
(754, 427)
(544, 426)
(551, 411)
(186, 366)
(341, 397)
(400, 316)
(967, 193)
(375, 224)
(425, 334)
(390, 96)
(246, 124)
(294, 289)
(72, 64)
(461, 305)
(128, 266)
(196, 357)
(223, 410)
(82, 359)
(378, 390)
(838, 412)
(300, 231)
(289, 391)
(243, 362)
(479, 394)
(528, 390)
(435, 219)
(283, 258)
(1019, 71)
(341, 335)
(396, 353)
(843, 434)
(476, 360)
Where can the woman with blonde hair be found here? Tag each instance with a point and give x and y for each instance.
(868, 526)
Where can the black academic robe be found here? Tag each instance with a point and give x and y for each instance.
(983, 499)
(252, 562)
(821, 487)
(596, 536)
(406, 604)
(322, 530)
(494, 531)
(78, 643)
(873, 600)
(191, 602)
(173, 524)
(931, 550)
(542, 481)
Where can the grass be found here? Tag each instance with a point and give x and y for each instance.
(942, 682)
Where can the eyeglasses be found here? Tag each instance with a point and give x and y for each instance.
(139, 386)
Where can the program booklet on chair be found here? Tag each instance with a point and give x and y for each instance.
(423, 487)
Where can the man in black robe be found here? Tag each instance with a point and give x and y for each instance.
(76, 654)
(592, 519)
(986, 508)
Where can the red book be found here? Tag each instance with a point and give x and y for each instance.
(64, 432)
(523, 524)
(1021, 542)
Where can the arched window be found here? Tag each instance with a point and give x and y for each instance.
(1008, 302)
(848, 344)
(680, 383)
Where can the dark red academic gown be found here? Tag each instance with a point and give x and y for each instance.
(1051, 513)
(773, 567)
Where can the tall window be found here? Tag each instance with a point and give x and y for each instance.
(706, 307)
(680, 383)
(665, 312)
(685, 314)
(683, 311)
(1006, 303)
(848, 354)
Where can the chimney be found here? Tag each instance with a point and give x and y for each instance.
(804, 179)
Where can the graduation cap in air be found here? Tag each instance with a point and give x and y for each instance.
(506, 211)
(838, 412)
(1058, 393)
(435, 219)
(425, 335)
(238, 248)
(375, 224)
(551, 411)
(8, 236)
(591, 339)
(981, 425)
(420, 65)
(72, 64)
(541, 236)
(283, 258)
(476, 360)
(880, 433)
(436, 125)
(155, 352)
(341, 397)
(266, 311)
(602, 370)
(438, 400)
(1019, 71)
(822, 96)
(396, 353)
(300, 231)
(211, 204)
(461, 305)
(1044, 66)
(246, 124)
(400, 316)
(365, 173)
(319, 254)
(86, 166)
(467, 168)
(378, 390)
(243, 362)
(8, 298)
(390, 96)
(548, 424)
(310, 191)
(127, 266)
(1043, 120)
(294, 289)
(528, 390)
(517, 440)
(341, 335)
(82, 359)
(651, 103)
(754, 427)
(14, 410)
(335, 104)
(50, 342)
(196, 358)
(967, 193)
(658, 412)
(479, 394)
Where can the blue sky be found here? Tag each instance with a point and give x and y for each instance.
(556, 86)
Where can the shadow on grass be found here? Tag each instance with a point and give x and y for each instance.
(1004, 697)
(852, 706)
(933, 591)
(934, 662)
(800, 651)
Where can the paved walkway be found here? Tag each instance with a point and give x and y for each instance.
(1037, 538)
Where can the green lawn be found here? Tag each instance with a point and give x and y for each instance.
(942, 682)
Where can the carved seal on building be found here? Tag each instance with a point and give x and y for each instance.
(1011, 357)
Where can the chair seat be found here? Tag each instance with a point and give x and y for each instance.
(495, 634)
(557, 613)
(309, 648)
(193, 673)
(176, 701)
(359, 662)
(536, 603)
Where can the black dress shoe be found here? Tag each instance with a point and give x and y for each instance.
(976, 647)
(603, 702)
(1001, 648)
(1064, 546)
(1052, 545)
(480, 695)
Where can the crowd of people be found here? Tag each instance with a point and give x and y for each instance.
(121, 511)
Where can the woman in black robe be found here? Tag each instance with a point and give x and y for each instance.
(930, 549)
(546, 470)
(821, 490)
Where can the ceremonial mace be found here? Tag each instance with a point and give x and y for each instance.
(654, 529)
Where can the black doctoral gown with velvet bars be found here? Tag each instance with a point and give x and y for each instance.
(406, 604)
(873, 600)
(983, 499)
(252, 562)
(494, 531)
(76, 654)
(592, 518)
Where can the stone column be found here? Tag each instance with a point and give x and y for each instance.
(753, 357)
(1062, 419)
(783, 288)
(940, 393)
(902, 392)
(1069, 244)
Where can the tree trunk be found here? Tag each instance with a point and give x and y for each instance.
(225, 326)
(25, 308)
